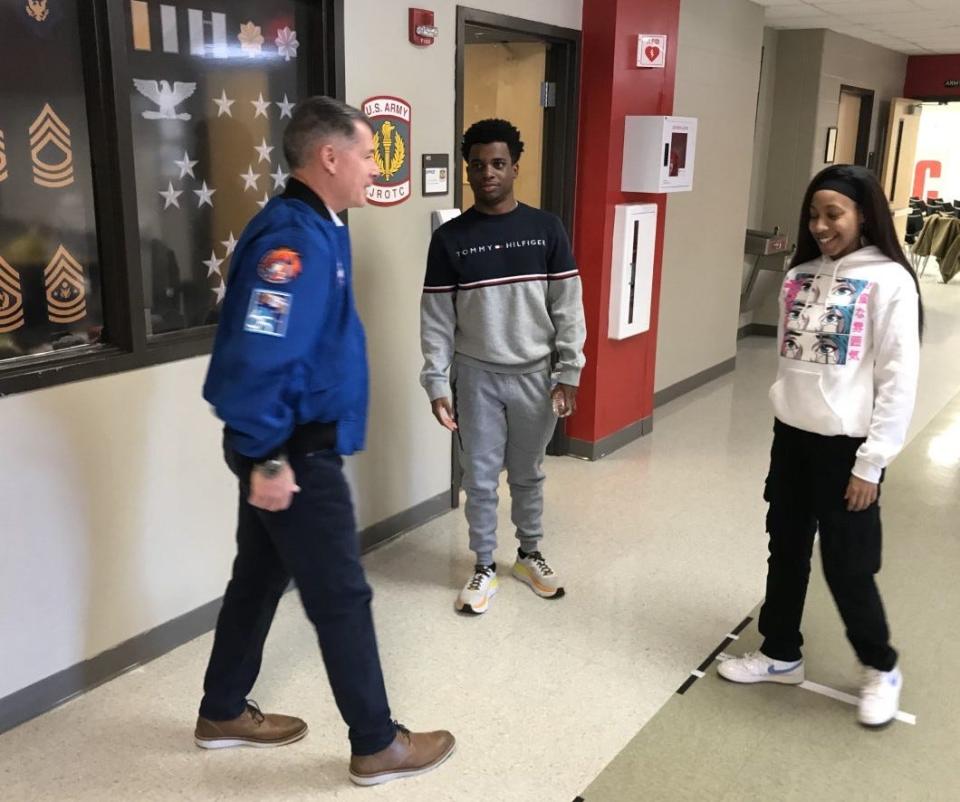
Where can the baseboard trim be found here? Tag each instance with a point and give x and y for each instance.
(691, 383)
(757, 330)
(584, 449)
(391, 528)
(53, 691)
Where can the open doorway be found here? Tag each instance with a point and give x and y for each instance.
(853, 125)
(528, 73)
(936, 171)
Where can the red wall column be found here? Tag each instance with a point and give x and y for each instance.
(616, 388)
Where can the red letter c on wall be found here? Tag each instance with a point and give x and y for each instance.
(920, 178)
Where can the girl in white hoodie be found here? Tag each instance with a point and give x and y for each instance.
(849, 335)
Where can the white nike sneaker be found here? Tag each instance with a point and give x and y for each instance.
(757, 667)
(879, 696)
(480, 588)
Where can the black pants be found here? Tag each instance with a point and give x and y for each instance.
(808, 477)
(315, 542)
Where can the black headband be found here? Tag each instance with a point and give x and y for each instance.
(842, 185)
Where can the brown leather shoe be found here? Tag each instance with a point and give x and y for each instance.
(250, 728)
(410, 754)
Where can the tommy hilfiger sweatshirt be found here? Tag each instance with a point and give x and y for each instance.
(849, 353)
(502, 292)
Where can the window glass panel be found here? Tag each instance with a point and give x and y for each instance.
(50, 290)
(213, 85)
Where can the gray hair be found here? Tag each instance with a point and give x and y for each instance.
(315, 120)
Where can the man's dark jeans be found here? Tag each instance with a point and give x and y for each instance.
(315, 543)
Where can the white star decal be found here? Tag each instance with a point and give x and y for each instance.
(229, 244)
(264, 150)
(265, 201)
(279, 178)
(250, 179)
(213, 264)
(286, 107)
(220, 290)
(261, 106)
(204, 195)
(170, 196)
(223, 104)
(185, 165)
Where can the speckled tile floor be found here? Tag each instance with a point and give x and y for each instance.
(662, 550)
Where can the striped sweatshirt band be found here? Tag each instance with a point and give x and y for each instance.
(495, 282)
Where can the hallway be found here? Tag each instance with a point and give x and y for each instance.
(662, 550)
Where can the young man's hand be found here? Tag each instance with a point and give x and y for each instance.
(443, 412)
(860, 494)
(564, 399)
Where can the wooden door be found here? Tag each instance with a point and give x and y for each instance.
(900, 154)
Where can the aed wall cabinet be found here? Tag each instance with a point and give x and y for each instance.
(658, 154)
(631, 279)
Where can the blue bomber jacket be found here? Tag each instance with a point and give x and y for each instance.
(290, 348)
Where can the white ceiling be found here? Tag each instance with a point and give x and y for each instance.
(921, 27)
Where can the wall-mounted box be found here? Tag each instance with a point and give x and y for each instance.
(631, 276)
(658, 154)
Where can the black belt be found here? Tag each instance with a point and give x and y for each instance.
(314, 436)
(306, 437)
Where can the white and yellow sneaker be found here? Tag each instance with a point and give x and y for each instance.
(533, 570)
(475, 597)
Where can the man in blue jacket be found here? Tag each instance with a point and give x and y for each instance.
(288, 377)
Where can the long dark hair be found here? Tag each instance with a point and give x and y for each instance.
(878, 227)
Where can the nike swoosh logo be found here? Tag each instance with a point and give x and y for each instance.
(772, 670)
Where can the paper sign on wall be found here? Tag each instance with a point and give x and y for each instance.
(651, 50)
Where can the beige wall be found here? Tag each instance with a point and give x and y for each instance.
(718, 71)
(856, 63)
(811, 67)
(762, 136)
(117, 513)
(763, 132)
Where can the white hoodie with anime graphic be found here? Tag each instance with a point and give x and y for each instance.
(849, 353)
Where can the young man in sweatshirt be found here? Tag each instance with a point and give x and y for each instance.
(501, 297)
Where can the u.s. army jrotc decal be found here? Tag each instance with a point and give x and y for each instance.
(11, 299)
(47, 132)
(3, 159)
(66, 289)
(391, 149)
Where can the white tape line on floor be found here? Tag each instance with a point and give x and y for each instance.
(840, 696)
(823, 690)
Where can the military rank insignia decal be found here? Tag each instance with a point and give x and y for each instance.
(3, 159)
(48, 132)
(391, 149)
(66, 289)
(11, 299)
(37, 9)
(279, 266)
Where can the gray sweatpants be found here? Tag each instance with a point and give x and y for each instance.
(505, 421)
